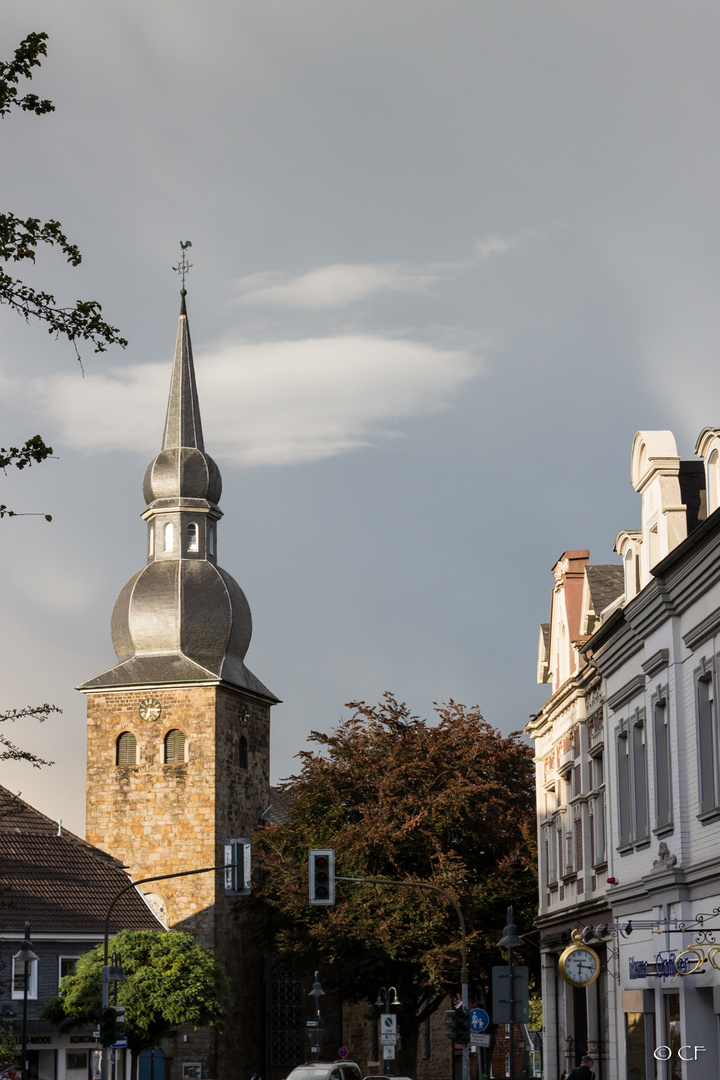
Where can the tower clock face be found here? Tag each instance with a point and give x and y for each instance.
(579, 965)
(150, 709)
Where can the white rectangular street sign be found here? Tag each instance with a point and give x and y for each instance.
(388, 1022)
(388, 1038)
(388, 1053)
(479, 1038)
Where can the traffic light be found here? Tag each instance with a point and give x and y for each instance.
(119, 1011)
(322, 876)
(238, 867)
(451, 1024)
(462, 1021)
(107, 1027)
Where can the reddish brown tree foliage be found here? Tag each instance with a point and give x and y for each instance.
(451, 803)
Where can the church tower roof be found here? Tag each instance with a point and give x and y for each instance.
(182, 618)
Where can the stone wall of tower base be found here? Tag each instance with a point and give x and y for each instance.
(162, 816)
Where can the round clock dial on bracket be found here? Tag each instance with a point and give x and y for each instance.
(579, 965)
(150, 709)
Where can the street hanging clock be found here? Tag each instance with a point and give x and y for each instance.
(579, 965)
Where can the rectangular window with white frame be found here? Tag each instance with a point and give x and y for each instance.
(707, 736)
(633, 809)
(663, 777)
(66, 966)
(624, 804)
(641, 822)
(596, 810)
(18, 979)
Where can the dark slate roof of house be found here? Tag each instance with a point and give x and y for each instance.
(61, 884)
(606, 583)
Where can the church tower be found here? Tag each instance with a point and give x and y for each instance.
(178, 729)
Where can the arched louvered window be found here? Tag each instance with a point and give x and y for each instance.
(193, 536)
(242, 757)
(175, 747)
(126, 749)
(168, 534)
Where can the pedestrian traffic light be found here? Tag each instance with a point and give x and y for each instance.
(238, 867)
(451, 1024)
(107, 1027)
(119, 1011)
(322, 876)
(462, 1026)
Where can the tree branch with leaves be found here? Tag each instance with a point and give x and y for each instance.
(20, 238)
(8, 750)
(20, 241)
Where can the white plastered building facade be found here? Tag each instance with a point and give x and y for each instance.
(655, 656)
(569, 749)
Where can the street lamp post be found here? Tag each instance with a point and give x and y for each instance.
(25, 956)
(511, 940)
(383, 1001)
(317, 1033)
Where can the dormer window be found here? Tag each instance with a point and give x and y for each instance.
(193, 537)
(632, 574)
(654, 541)
(713, 481)
(169, 536)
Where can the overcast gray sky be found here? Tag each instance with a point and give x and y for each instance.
(448, 258)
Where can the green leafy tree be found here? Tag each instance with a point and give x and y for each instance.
(8, 1049)
(171, 979)
(20, 240)
(450, 803)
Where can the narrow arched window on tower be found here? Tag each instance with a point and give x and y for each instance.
(151, 540)
(193, 538)
(211, 539)
(169, 536)
(242, 756)
(175, 748)
(126, 749)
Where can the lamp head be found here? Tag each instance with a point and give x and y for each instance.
(26, 953)
(317, 990)
(510, 939)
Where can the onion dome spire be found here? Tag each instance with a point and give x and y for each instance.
(181, 618)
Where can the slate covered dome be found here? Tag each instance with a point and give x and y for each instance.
(183, 472)
(181, 618)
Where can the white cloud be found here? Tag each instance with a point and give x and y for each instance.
(492, 245)
(273, 403)
(342, 284)
(497, 245)
(331, 287)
